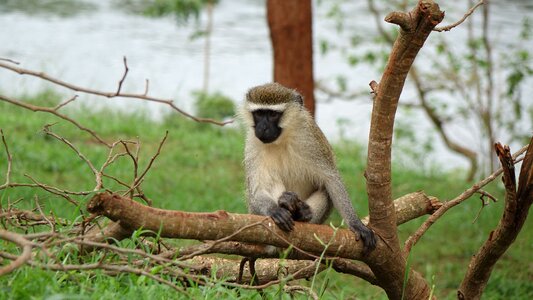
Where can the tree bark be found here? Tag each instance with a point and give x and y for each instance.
(290, 24)
(389, 265)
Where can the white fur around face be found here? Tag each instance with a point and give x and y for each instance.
(275, 107)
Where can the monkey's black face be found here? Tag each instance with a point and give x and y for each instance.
(266, 124)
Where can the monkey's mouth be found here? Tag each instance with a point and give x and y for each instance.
(267, 139)
(268, 136)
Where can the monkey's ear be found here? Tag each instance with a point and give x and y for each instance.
(299, 99)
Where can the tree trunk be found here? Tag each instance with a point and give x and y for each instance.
(290, 24)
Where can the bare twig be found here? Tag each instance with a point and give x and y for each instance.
(10, 60)
(126, 69)
(9, 161)
(146, 87)
(467, 14)
(110, 159)
(77, 88)
(332, 94)
(98, 176)
(54, 112)
(484, 202)
(60, 105)
(137, 181)
(52, 224)
(484, 194)
(52, 190)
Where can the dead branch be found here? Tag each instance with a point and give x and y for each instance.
(64, 103)
(115, 94)
(22, 243)
(517, 204)
(54, 112)
(389, 265)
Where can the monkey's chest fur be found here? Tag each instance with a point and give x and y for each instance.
(284, 164)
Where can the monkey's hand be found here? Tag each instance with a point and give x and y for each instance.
(365, 234)
(299, 210)
(282, 217)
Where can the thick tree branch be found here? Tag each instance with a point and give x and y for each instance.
(220, 224)
(389, 266)
(214, 226)
(188, 225)
(267, 270)
(517, 204)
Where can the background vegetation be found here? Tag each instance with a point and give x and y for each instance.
(200, 170)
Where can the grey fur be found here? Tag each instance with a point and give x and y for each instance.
(300, 160)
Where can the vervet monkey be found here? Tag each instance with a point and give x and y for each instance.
(290, 167)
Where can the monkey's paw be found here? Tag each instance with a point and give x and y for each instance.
(367, 235)
(289, 201)
(299, 210)
(282, 217)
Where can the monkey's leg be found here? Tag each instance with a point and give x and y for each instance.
(320, 206)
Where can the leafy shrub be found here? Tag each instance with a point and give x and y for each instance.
(216, 105)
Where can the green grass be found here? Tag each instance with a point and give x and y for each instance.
(200, 169)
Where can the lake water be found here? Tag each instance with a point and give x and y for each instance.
(87, 49)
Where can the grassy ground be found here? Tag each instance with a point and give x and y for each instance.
(200, 169)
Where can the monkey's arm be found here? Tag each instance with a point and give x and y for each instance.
(341, 200)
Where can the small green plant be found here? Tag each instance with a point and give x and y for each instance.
(215, 105)
(183, 10)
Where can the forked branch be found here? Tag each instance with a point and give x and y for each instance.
(517, 204)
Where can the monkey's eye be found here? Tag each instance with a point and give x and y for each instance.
(274, 115)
